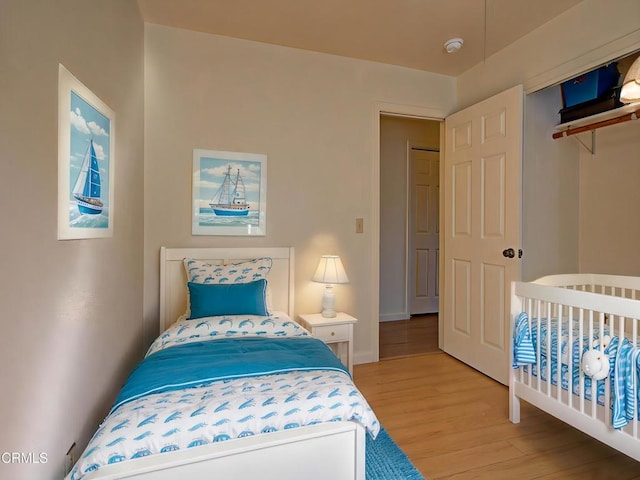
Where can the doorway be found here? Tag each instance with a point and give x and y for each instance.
(408, 266)
(415, 336)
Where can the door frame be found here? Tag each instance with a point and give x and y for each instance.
(397, 110)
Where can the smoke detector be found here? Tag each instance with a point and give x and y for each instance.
(453, 45)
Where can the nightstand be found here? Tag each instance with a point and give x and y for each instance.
(337, 332)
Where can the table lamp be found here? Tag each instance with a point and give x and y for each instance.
(330, 272)
(631, 85)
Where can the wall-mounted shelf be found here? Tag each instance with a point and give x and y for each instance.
(599, 120)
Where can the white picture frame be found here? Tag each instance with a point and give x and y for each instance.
(86, 166)
(229, 193)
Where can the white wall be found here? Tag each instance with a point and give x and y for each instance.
(395, 133)
(610, 201)
(312, 114)
(550, 191)
(70, 311)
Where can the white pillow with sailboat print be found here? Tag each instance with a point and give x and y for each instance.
(242, 272)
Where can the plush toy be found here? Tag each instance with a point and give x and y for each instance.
(595, 364)
(603, 342)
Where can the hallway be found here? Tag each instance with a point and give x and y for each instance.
(415, 336)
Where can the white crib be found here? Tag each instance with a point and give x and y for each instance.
(586, 304)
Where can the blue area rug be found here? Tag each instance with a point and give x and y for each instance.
(385, 460)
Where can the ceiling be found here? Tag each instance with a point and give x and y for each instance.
(408, 33)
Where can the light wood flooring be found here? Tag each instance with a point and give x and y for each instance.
(453, 423)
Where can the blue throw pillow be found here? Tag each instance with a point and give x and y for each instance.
(210, 300)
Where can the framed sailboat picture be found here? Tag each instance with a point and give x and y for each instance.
(85, 161)
(229, 193)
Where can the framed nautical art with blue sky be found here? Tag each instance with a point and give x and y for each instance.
(229, 193)
(85, 161)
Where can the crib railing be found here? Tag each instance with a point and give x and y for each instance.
(581, 312)
(619, 286)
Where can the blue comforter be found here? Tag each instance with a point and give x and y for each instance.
(198, 363)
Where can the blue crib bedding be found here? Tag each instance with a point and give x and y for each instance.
(624, 358)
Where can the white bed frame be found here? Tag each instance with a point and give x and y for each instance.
(334, 450)
(596, 300)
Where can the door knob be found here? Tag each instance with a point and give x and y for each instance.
(509, 253)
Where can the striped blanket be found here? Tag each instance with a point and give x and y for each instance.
(624, 357)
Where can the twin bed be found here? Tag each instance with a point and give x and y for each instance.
(232, 386)
(576, 354)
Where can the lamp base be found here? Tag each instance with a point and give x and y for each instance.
(328, 313)
(328, 302)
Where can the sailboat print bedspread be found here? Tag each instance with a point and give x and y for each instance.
(194, 388)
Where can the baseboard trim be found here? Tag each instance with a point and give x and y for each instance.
(364, 357)
(392, 317)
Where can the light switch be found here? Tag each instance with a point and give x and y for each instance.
(359, 225)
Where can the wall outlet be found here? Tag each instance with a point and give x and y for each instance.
(70, 459)
(359, 225)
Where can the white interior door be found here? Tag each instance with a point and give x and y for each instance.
(482, 195)
(424, 205)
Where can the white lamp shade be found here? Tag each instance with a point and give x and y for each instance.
(631, 85)
(330, 270)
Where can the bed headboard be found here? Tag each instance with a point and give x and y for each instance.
(173, 279)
